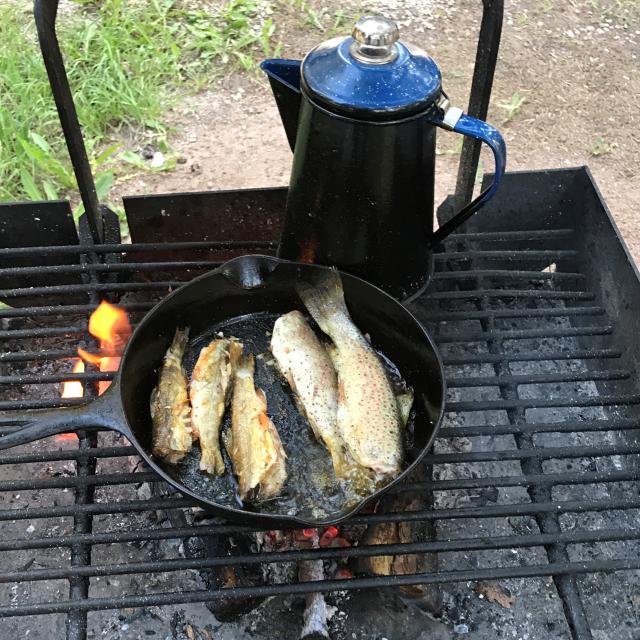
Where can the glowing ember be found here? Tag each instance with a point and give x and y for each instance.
(328, 535)
(111, 326)
(308, 252)
(308, 533)
(342, 573)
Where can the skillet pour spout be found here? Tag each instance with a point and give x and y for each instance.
(243, 298)
(249, 272)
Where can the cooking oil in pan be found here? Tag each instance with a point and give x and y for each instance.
(311, 490)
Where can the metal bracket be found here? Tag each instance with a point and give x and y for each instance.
(45, 12)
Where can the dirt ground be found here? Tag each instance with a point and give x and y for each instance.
(575, 63)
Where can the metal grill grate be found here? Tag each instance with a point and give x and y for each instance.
(534, 472)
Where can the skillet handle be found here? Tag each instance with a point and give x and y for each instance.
(104, 412)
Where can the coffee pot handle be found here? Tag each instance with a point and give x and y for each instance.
(453, 119)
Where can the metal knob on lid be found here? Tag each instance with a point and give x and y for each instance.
(374, 39)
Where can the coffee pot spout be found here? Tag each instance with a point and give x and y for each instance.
(284, 77)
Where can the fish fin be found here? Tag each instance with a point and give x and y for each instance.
(405, 402)
(152, 399)
(262, 398)
(325, 299)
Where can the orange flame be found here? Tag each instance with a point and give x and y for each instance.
(73, 388)
(111, 326)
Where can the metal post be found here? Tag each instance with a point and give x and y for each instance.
(45, 17)
(481, 85)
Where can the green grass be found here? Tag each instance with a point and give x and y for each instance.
(621, 11)
(512, 106)
(601, 147)
(127, 61)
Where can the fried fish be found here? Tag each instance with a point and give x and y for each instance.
(307, 367)
(368, 416)
(254, 443)
(209, 391)
(170, 410)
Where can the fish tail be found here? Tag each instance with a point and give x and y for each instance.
(211, 462)
(246, 366)
(325, 300)
(235, 352)
(180, 339)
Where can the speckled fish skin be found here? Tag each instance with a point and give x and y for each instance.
(209, 391)
(170, 410)
(306, 365)
(254, 443)
(368, 417)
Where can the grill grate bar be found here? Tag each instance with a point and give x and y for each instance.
(506, 273)
(509, 236)
(519, 255)
(551, 294)
(524, 334)
(100, 480)
(493, 511)
(363, 551)
(533, 356)
(43, 354)
(175, 533)
(160, 599)
(40, 332)
(542, 453)
(558, 312)
(59, 377)
(76, 622)
(66, 454)
(103, 480)
(542, 378)
(65, 289)
(539, 403)
(9, 405)
(547, 479)
(139, 247)
(120, 267)
(69, 310)
(569, 426)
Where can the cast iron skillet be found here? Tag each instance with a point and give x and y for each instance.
(243, 297)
